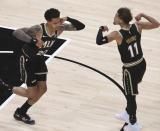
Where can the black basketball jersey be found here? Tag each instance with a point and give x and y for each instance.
(48, 40)
(130, 48)
(31, 50)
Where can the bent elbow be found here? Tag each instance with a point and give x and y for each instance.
(156, 25)
(98, 42)
(15, 33)
(81, 27)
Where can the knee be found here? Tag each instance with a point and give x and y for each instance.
(43, 89)
(31, 94)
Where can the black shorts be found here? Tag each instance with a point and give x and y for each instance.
(132, 76)
(33, 69)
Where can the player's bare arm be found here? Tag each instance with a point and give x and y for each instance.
(70, 25)
(27, 35)
(100, 39)
(151, 24)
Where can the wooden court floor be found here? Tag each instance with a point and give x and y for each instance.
(79, 99)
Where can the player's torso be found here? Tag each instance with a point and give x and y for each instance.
(48, 40)
(130, 48)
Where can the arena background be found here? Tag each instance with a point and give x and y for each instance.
(79, 99)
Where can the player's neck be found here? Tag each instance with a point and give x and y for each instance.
(50, 29)
(125, 26)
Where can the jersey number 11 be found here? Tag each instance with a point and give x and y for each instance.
(131, 47)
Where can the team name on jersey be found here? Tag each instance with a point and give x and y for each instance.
(131, 39)
(45, 47)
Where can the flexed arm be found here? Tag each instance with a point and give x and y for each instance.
(30, 35)
(72, 24)
(151, 24)
(100, 39)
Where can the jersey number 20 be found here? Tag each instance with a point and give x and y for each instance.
(131, 47)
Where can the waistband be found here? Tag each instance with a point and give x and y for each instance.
(133, 63)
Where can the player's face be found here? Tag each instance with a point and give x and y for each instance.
(55, 22)
(117, 20)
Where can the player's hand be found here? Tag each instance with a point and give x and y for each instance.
(139, 16)
(39, 43)
(63, 19)
(104, 28)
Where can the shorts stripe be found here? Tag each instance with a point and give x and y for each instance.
(40, 73)
(129, 84)
(23, 69)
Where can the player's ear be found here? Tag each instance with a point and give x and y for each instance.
(120, 21)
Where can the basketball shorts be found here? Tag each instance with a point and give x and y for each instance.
(33, 69)
(132, 76)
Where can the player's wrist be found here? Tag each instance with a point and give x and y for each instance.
(34, 41)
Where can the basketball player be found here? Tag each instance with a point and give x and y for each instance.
(128, 40)
(39, 39)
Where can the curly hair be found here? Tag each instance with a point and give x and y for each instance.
(51, 13)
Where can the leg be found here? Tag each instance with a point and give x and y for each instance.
(35, 89)
(131, 91)
(41, 78)
(40, 90)
(35, 81)
(34, 94)
(29, 92)
(131, 108)
(20, 113)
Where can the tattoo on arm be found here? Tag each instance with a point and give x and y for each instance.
(67, 27)
(26, 34)
(33, 30)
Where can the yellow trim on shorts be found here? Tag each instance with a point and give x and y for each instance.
(25, 53)
(40, 73)
(133, 63)
(130, 82)
(21, 70)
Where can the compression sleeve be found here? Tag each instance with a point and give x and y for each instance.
(100, 40)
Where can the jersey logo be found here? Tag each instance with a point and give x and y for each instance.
(44, 36)
(47, 45)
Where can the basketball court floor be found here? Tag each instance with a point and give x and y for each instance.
(80, 99)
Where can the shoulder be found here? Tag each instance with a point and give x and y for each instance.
(35, 30)
(115, 34)
(35, 27)
(138, 25)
